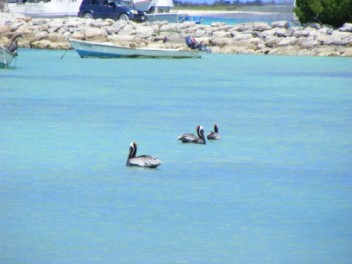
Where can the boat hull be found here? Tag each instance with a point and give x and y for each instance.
(47, 9)
(174, 18)
(6, 57)
(87, 49)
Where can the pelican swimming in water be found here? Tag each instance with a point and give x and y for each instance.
(141, 161)
(214, 135)
(191, 138)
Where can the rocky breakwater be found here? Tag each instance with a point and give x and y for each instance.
(252, 38)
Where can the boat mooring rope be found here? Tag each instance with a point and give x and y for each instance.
(3, 55)
(63, 55)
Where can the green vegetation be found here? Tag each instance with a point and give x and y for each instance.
(331, 12)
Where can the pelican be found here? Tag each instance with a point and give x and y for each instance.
(191, 138)
(214, 135)
(141, 161)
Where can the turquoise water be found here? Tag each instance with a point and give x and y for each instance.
(240, 18)
(276, 189)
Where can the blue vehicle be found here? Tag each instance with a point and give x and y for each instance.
(114, 9)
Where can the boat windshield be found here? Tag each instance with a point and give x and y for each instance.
(126, 3)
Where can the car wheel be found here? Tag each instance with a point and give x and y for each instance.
(87, 15)
(124, 17)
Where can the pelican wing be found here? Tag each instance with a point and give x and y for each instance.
(213, 136)
(187, 137)
(145, 161)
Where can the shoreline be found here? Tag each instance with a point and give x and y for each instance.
(275, 38)
(234, 12)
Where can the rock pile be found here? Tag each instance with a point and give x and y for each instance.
(252, 38)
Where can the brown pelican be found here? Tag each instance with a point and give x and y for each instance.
(141, 161)
(191, 138)
(214, 135)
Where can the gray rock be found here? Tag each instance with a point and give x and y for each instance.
(289, 41)
(309, 43)
(347, 27)
(253, 38)
(39, 22)
(272, 41)
(342, 38)
(282, 32)
(74, 23)
(200, 33)
(221, 42)
(15, 26)
(3, 29)
(301, 33)
(242, 37)
(218, 24)
(41, 35)
(280, 24)
(78, 35)
(41, 44)
(144, 31)
(167, 27)
(222, 34)
(260, 27)
(325, 39)
(93, 32)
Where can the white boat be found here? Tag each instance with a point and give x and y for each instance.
(52, 8)
(174, 17)
(154, 6)
(87, 49)
(158, 10)
(6, 57)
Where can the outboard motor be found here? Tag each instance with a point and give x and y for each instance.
(13, 47)
(191, 42)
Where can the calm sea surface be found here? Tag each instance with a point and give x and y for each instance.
(276, 189)
(239, 18)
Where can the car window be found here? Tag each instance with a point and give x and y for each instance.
(110, 3)
(125, 3)
(98, 2)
